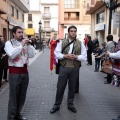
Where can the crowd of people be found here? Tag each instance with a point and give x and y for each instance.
(3, 62)
(69, 53)
(100, 54)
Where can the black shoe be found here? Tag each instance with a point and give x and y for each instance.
(76, 91)
(6, 80)
(54, 109)
(116, 119)
(106, 82)
(72, 109)
(21, 118)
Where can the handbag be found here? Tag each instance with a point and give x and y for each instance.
(58, 63)
(107, 66)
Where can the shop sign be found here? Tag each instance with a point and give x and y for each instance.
(100, 27)
(116, 20)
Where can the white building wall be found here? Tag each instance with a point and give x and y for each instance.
(82, 30)
(36, 17)
(36, 20)
(53, 10)
(34, 5)
(49, 1)
(54, 17)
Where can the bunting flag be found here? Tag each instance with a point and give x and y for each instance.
(53, 44)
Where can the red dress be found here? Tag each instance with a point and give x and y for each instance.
(52, 58)
(53, 44)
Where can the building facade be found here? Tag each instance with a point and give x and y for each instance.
(49, 10)
(3, 19)
(45, 11)
(32, 19)
(72, 12)
(100, 22)
(16, 10)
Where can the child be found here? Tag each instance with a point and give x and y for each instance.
(97, 52)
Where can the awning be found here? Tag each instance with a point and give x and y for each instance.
(29, 31)
(2, 11)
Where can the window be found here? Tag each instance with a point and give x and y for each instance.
(29, 17)
(46, 10)
(71, 4)
(12, 10)
(23, 17)
(30, 25)
(16, 13)
(100, 17)
(71, 16)
(46, 23)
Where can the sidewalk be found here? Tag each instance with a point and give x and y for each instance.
(96, 101)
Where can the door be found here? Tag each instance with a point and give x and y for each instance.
(5, 34)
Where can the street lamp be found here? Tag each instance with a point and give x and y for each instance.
(111, 5)
(40, 25)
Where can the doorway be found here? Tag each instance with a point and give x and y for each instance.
(5, 34)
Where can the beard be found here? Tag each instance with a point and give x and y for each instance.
(19, 38)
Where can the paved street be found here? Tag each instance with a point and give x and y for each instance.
(96, 101)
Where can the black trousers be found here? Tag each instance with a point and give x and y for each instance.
(18, 84)
(97, 64)
(109, 78)
(5, 73)
(77, 84)
(89, 57)
(1, 75)
(70, 76)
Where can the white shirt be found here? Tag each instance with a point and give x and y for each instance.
(59, 55)
(18, 55)
(115, 55)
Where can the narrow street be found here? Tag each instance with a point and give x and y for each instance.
(95, 101)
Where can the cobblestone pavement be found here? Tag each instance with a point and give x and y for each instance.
(96, 101)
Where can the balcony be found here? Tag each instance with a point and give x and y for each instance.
(3, 7)
(93, 5)
(46, 16)
(22, 4)
(46, 29)
(15, 22)
(71, 6)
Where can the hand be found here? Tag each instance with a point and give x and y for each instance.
(71, 56)
(25, 41)
(107, 53)
(3, 55)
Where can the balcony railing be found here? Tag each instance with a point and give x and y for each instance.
(46, 29)
(22, 4)
(46, 15)
(71, 6)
